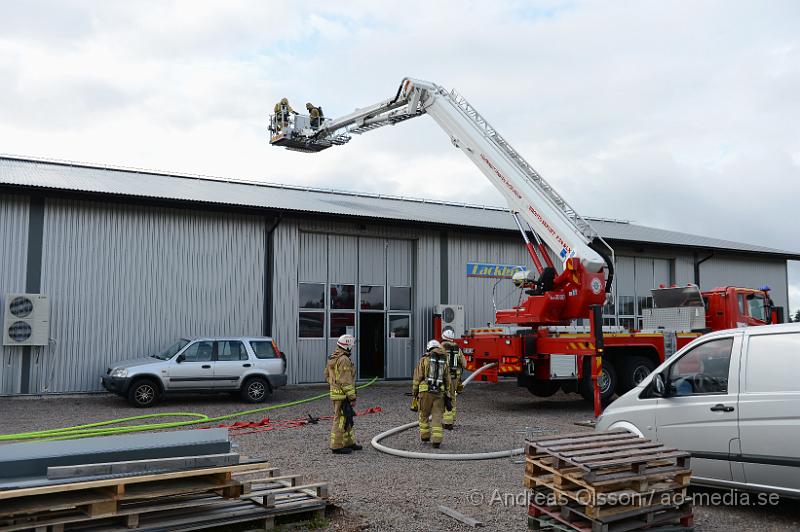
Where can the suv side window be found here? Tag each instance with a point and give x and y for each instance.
(231, 350)
(703, 370)
(263, 349)
(199, 352)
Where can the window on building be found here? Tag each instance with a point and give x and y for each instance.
(399, 326)
(372, 298)
(263, 349)
(626, 305)
(231, 350)
(311, 295)
(343, 297)
(400, 298)
(644, 303)
(340, 321)
(199, 352)
(312, 324)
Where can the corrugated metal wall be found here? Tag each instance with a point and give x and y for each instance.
(14, 238)
(126, 281)
(476, 293)
(746, 272)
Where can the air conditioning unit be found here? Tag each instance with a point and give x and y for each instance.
(452, 318)
(26, 319)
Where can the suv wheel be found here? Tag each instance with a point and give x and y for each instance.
(255, 390)
(144, 393)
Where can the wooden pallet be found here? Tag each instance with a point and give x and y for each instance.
(591, 481)
(545, 523)
(264, 499)
(607, 459)
(571, 481)
(575, 518)
(105, 497)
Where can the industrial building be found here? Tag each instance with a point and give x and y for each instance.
(132, 260)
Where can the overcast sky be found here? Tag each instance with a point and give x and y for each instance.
(683, 115)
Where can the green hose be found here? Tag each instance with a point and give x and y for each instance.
(103, 428)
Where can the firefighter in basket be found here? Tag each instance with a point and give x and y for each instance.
(456, 362)
(341, 375)
(431, 390)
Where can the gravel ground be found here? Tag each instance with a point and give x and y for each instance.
(376, 491)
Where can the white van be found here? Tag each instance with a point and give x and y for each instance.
(731, 398)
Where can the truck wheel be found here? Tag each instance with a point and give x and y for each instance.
(144, 393)
(607, 380)
(255, 390)
(634, 370)
(543, 388)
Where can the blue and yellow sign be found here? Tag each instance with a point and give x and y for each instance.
(492, 270)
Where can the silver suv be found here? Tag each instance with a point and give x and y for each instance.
(252, 367)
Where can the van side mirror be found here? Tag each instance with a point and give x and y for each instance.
(659, 385)
(180, 358)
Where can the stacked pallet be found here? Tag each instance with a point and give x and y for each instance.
(186, 499)
(606, 482)
(168, 490)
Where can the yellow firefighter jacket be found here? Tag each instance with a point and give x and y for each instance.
(341, 375)
(421, 373)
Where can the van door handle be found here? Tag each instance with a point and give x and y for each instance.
(206, 366)
(721, 408)
(246, 365)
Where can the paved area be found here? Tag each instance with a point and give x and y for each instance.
(376, 491)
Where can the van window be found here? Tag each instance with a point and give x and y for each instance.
(702, 370)
(773, 363)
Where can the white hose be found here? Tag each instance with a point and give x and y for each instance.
(439, 456)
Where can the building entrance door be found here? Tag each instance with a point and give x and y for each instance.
(371, 345)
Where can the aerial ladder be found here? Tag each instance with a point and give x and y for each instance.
(557, 295)
(577, 288)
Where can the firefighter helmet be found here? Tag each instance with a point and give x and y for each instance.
(433, 344)
(346, 341)
(448, 334)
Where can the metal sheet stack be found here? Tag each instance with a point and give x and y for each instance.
(606, 482)
(168, 481)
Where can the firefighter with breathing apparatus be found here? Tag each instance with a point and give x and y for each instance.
(341, 375)
(431, 390)
(456, 362)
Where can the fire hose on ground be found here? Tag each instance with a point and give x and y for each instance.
(113, 427)
(440, 456)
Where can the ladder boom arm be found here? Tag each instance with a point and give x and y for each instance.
(561, 229)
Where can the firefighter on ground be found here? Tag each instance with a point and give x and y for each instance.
(341, 375)
(314, 114)
(282, 110)
(431, 390)
(456, 361)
